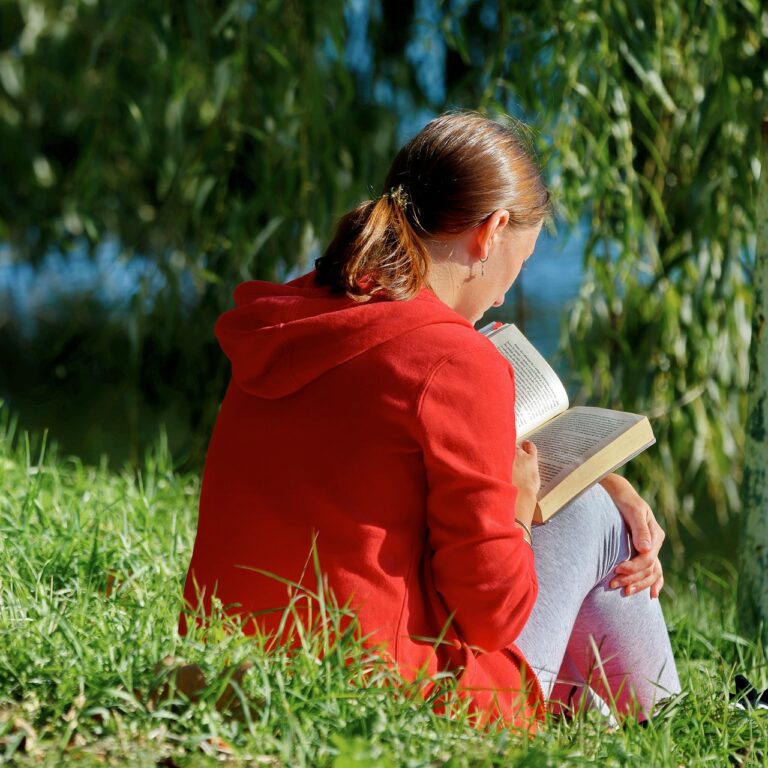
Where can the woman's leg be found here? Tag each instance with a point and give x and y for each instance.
(618, 644)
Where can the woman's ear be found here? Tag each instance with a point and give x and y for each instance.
(488, 232)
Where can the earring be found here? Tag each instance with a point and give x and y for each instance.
(482, 265)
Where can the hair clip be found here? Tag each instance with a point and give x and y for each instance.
(398, 196)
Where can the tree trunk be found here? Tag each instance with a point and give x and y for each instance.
(753, 566)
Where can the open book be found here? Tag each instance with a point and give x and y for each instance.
(576, 446)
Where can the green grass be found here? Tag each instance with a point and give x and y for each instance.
(91, 570)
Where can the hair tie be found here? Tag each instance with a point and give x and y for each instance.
(398, 196)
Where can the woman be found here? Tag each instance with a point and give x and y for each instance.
(367, 417)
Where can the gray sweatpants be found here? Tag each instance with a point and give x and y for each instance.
(588, 643)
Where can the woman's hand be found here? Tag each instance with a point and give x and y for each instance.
(644, 570)
(525, 476)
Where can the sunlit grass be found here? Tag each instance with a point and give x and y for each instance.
(91, 570)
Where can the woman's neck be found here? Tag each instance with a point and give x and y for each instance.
(449, 270)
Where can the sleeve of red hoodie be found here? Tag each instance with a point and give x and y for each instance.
(481, 564)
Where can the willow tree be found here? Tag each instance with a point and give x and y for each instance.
(221, 140)
(647, 114)
(214, 140)
(753, 571)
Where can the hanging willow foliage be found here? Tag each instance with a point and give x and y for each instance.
(220, 140)
(217, 140)
(649, 116)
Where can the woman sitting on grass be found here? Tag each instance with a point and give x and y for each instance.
(366, 415)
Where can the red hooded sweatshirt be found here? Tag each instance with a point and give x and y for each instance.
(383, 431)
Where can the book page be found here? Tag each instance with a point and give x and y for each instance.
(539, 393)
(573, 437)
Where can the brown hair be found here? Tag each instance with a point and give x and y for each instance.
(459, 169)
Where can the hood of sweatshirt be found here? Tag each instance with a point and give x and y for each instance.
(281, 337)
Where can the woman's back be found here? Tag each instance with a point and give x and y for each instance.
(347, 424)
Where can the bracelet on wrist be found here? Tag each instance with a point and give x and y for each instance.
(527, 535)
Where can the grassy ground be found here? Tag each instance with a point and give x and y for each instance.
(91, 568)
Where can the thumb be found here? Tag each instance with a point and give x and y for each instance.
(641, 534)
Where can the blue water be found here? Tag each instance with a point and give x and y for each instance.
(549, 280)
(30, 293)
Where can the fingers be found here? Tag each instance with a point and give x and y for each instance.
(634, 578)
(526, 469)
(639, 580)
(641, 585)
(641, 535)
(639, 525)
(647, 534)
(636, 564)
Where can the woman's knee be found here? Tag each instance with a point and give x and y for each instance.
(594, 519)
(602, 504)
(593, 508)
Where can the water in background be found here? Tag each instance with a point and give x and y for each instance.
(548, 282)
(85, 418)
(29, 294)
(74, 293)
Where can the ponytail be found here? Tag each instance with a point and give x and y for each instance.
(375, 249)
(459, 169)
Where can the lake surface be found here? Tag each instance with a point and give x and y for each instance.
(89, 419)
(549, 280)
